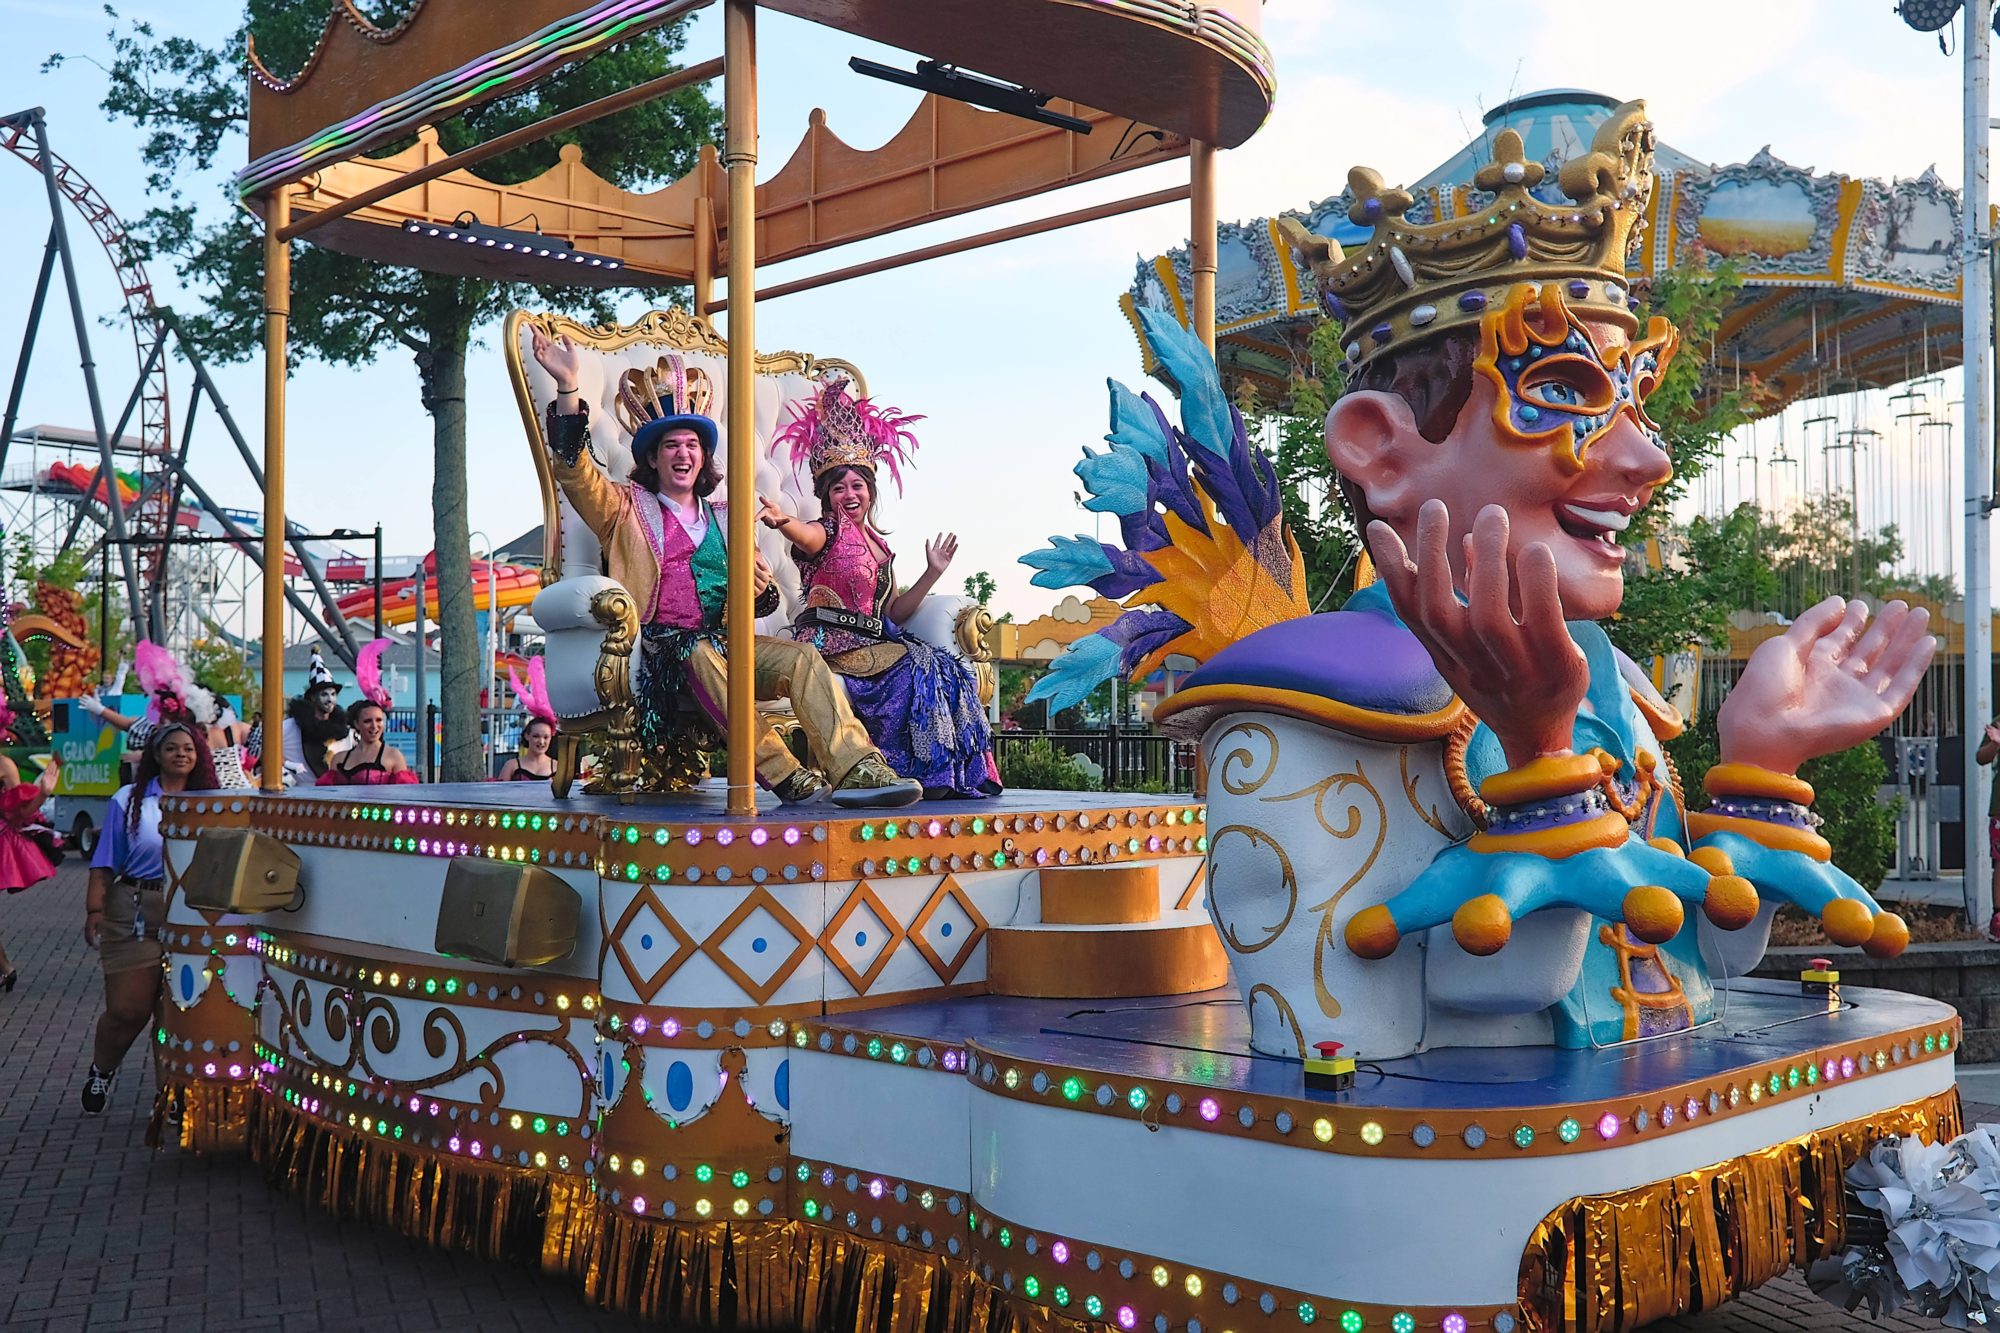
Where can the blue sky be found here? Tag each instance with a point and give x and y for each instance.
(1005, 350)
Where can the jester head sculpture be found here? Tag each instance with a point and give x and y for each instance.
(1496, 366)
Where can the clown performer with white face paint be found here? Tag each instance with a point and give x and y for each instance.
(664, 542)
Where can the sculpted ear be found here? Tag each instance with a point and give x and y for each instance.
(1372, 438)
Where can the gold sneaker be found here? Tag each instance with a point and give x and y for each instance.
(872, 784)
(805, 784)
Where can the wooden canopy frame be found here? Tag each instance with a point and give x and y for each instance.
(1174, 79)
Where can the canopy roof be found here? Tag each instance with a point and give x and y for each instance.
(1849, 282)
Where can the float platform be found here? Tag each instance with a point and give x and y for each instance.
(824, 1070)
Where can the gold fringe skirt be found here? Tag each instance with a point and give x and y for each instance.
(208, 1117)
(1612, 1262)
(1599, 1264)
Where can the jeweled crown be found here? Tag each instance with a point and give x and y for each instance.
(1413, 281)
(667, 388)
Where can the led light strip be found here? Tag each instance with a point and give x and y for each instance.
(445, 95)
(1452, 1133)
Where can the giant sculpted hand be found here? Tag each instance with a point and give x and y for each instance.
(1524, 676)
(1828, 683)
(1521, 673)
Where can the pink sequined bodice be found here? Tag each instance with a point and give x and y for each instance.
(848, 574)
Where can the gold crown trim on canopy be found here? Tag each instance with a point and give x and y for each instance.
(1413, 281)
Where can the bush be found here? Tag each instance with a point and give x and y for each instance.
(1038, 765)
(1860, 828)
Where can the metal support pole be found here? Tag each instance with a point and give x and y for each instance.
(378, 580)
(157, 594)
(117, 433)
(1976, 307)
(116, 505)
(277, 316)
(104, 611)
(423, 685)
(28, 345)
(1202, 239)
(739, 102)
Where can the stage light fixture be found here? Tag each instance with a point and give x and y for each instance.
(470, 231)
(932, 76)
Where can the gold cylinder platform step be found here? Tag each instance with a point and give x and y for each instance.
(1177, 954)
(1100, 895)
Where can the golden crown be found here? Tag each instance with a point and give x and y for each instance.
(668, 388)
(1415, 280)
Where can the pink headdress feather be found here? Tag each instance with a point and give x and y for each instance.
(533, 693)
(162, 676)
(368, 673)
(833, 429)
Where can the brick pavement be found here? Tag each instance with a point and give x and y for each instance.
(97, 1232)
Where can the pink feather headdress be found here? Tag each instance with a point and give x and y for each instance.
(168, 686)
(533, 693)
(368, 673)
(834, 429)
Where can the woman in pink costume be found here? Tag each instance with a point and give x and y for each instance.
(369, 762)
(920, 705)
(22, 864)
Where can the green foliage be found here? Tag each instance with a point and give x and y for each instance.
(979, 586)
(1015, 682)
(1306, 479)
(1860, 828)
(70, 569)
(1038, 765)
(192, 100)
(224, 668)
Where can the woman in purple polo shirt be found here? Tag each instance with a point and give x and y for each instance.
(125, 904)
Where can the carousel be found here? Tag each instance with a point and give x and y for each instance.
(1266, 1059)
(1848, 282)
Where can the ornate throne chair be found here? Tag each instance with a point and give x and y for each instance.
(590, 622)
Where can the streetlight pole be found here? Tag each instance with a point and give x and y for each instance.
(1976, 309)
(492, 651)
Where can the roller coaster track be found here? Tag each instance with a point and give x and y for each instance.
(17, 136)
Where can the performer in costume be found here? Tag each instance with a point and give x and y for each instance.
(22, 864)
(315, 730)
(1492, 443)
(370, 760)
(125, 902)
(664, 542)
(921, 705)
(170, 688)
(532, 763)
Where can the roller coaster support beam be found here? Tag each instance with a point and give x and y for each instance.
(61, 232)
(27, 347)
(83, 509)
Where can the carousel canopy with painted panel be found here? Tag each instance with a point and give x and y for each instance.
(1848, 282)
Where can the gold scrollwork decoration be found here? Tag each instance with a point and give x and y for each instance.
(1218, 906)
(613, 608)
(1430, 815)
(1342, 784)
(1285, 1011)
(1242, 756)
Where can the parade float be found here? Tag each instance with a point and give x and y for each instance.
(1367, 1039)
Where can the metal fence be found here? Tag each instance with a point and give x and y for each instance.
(499, 733)
(1118, 760)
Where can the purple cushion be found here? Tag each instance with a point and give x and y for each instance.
(1361, 658)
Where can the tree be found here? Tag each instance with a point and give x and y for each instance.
(1308, 485)
(980, 586)
(193, 99)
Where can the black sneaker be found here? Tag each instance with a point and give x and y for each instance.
(97, 1090)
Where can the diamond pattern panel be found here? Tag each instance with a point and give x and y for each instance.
(948, 928)
(650, 945)
(860, 937)
(759, 945)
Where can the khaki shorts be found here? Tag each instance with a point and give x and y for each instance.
(119, 945)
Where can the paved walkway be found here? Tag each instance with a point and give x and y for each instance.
(98, 1233)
